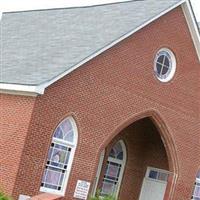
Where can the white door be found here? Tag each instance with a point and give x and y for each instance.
(154, 184)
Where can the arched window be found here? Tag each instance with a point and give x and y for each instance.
(196, 194)
(114, 170)
(60, 157)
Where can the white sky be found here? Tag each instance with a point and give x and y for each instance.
(15, 5)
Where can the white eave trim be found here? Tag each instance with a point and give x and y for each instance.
(191, 21)
(27, 90)
(41, 88)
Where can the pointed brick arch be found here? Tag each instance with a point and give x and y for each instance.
(166, 137)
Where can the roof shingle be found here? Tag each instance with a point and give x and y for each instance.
(37, 46)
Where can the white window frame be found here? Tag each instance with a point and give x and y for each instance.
(173, 65)
(149, 169)
(110, 159)
(73, 149)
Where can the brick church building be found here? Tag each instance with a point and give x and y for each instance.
(101, 98)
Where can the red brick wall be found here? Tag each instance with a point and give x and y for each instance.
(111, 92)
(15, 115)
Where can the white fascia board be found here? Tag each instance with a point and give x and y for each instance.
(191, 21)
(27, 90)
(46, 84)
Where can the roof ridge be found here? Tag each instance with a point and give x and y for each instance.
(75, 7)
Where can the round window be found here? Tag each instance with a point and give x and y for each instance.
(165, 65)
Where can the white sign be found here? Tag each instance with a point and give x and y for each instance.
(82, 189)
(23, 197)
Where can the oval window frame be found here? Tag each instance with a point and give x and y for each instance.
(172, 59)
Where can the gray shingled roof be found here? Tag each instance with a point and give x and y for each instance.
(37, 46)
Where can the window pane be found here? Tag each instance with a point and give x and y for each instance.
(108, 187)
(58, 133)
(59, 155)
(65, 131)
(158, 68)
(162, 176)
(112, 153)
(51, 177)
(161, 59)
(50, 153)
(50, 186)
(165, 70)
(67, 156)
(120, 156)
(198, 174)
(166, 63)
(61, 179)
(113, 171)
(117, 151)
(153, 174)
(66, 126)
(197, 191)
(69, 136)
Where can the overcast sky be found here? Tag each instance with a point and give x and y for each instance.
(14, 5)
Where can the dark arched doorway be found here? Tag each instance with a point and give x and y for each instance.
(146, 171)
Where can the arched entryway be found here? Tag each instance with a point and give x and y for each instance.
(146, 172)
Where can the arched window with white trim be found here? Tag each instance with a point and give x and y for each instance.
(60, 157)
(114, 170)
(196, 194)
